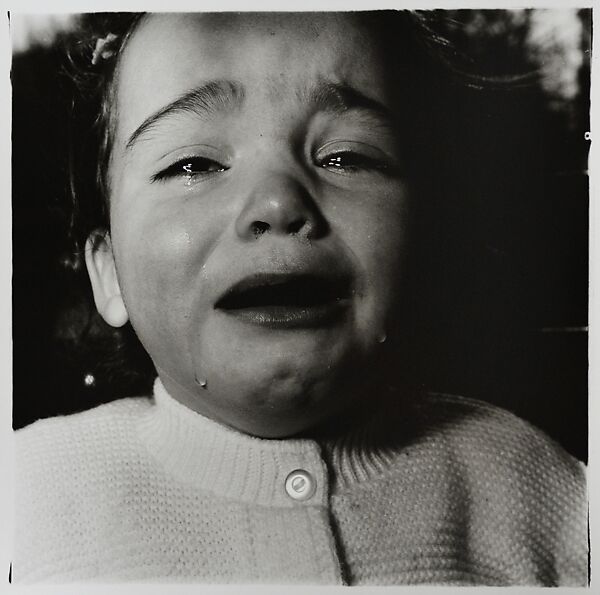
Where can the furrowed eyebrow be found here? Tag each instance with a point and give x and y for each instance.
(203, 101)
(339, 98)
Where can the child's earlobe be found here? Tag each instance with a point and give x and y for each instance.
(114, 312)
(102, 271)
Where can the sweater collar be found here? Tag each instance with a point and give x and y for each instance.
(228, 463)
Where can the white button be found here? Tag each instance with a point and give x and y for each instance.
(300, 485)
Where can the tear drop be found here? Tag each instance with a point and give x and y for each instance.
(202, 383)
(382, 338)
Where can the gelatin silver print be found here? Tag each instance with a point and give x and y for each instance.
(301, 297)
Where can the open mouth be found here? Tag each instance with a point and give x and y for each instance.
(287, 301)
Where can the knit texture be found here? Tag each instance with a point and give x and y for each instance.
(447, 490)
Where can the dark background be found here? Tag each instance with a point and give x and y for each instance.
(510, 278)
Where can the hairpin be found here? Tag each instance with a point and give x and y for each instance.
(105, 48)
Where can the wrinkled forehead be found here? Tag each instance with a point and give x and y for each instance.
(170, 53)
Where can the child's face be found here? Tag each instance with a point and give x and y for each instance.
(258, 226)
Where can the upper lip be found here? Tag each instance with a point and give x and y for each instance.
(302, 289)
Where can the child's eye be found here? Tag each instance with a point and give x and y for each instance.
(351, 157)
(350, 161)
(190, 168)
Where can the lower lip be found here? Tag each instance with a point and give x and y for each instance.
(291, 317)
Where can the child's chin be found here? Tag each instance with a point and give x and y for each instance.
(279, 404)
(285, 413)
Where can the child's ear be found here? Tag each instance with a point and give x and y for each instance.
(101, 268)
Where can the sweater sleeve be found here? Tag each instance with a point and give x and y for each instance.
(526, 493)
(572, 560)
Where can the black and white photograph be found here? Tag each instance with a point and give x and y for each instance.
(300, 297)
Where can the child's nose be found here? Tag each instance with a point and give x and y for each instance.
(280, 204)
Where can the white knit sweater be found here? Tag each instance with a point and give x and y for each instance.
(450, 491)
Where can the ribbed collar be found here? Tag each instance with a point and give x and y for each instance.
(222, 461)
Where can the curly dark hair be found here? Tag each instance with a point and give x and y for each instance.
(114, 356)
(93, 124)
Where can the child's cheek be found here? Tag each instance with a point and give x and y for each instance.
(162, 274)
(376, 232)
